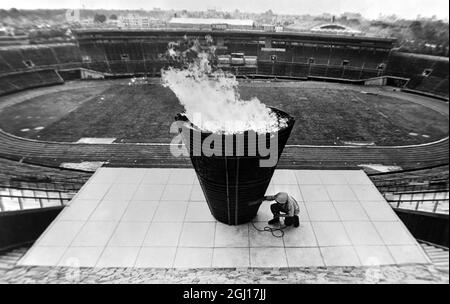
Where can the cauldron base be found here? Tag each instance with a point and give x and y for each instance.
(245, 215)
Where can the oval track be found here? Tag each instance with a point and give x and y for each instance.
(53, 153)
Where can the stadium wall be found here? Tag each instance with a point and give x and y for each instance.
(80, 73)
(19, 228)
(426, 226)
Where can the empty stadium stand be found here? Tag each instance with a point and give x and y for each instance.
(30, 66)
(30, 57)
(66, 53)
(14, 57)
(429, 85)
(278, 54)
(39, 56)
(19, 81)
(427, 74)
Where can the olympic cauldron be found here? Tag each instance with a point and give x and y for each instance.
(233, 179)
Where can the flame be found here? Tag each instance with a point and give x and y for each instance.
(213, 96)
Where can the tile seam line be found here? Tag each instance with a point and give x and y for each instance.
(112, 234)
(342, 222)
(371, 220)
(181, 232)
(312, 226)
(117, 222)
(149, 224)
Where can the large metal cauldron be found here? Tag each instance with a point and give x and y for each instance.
(234, 183)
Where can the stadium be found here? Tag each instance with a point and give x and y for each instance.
(69, 109)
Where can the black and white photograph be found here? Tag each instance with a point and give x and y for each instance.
(225, 148)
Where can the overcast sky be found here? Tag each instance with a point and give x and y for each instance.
(369, 8)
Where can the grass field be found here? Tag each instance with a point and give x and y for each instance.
(324, 116)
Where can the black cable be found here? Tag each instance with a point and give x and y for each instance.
(271, 230)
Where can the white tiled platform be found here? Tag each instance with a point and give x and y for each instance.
(159, 218)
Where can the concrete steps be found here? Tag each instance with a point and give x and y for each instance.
(9, 259)
(439, 256)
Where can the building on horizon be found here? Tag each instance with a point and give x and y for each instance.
(244, 24)
(136, 21)
(336, 29)
(73, 15)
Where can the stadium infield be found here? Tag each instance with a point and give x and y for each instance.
(326, 113)
(157, 155)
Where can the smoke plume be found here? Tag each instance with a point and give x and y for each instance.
(213, 96)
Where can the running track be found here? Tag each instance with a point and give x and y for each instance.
(148, 155)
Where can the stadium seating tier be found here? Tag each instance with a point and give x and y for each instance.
(427, 74)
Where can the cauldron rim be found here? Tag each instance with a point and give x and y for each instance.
(291, 120)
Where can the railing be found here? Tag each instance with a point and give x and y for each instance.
(18, 198)
(46, 182)
(430, 172)
(66, 65)
(412, 185)
(48, 186)
(425, 189)
(435, 201)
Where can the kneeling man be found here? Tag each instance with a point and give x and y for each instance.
(285, 206)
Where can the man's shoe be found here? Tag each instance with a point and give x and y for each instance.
(274, 221)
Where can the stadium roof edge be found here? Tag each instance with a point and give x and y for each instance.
(422, 56)
(258, 33)
(31, 46)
